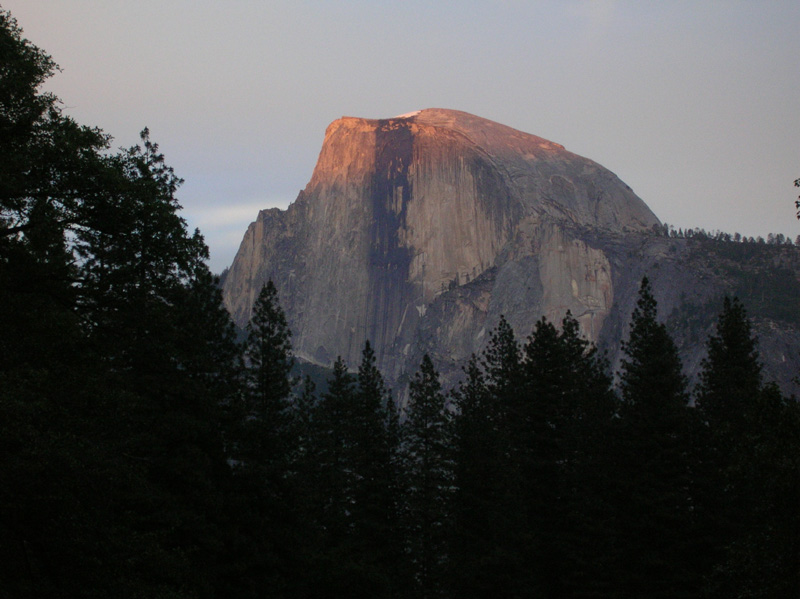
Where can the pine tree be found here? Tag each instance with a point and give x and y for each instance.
(547, 396)
(262, 449)
(731, 378)
(304, 433)
(761, 549)
(766, 561)
(510, 415)
(373, 458)
(655, 505)
(137, 259)
(753, 437)
(355, 482)
(269, 361)
(268, 351)
(727, 398)
(426, 453)
(47, 164)
(570, 406)
(473, 500)
(108, 402)
(262, 445)
(479, 544)
(373, 414)
(651, 378)
(501, 363)
(333, 419)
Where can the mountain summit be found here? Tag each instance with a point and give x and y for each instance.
(402, 211)
(417, 232)
(455, 159)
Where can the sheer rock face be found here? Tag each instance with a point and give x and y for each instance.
(417, 232)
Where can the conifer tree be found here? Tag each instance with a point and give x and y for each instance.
(481, 463)
(268, 351)
(334, 417)
(656, 501)
(587, 534)
(570, 407)
(501, 363)
(373, 415)
(262, 449)
(108, 396)
(770, 544)
(355, 482)
(502, 366)
(547, 407)
(372, 454)
(509, 414)
(266, 428)
(375, 436)
(304, 433)
(727, 399)
(137, 259)
(731, 378)
(651, 378)
(751, 454)
(761, 489)
(426, 453)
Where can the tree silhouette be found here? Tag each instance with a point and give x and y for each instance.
(426, 453)
(655, 482)
(797, 202)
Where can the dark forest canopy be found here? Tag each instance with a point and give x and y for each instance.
(145, 452)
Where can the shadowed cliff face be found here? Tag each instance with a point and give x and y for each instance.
(389, 260)
(419, 231)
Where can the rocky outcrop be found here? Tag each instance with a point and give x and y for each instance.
(417, 232)
(401, 211)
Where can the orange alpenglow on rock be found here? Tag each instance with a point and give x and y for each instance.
(416, 232)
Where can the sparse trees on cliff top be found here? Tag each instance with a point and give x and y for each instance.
(797, 202)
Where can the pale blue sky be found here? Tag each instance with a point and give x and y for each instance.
(696, 105)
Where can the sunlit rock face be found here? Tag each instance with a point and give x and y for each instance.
(417, 232)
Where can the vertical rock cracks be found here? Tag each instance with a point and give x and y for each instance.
(389, 259)
(417, 232)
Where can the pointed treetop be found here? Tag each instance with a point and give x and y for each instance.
(731, 376)
(652, 372)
